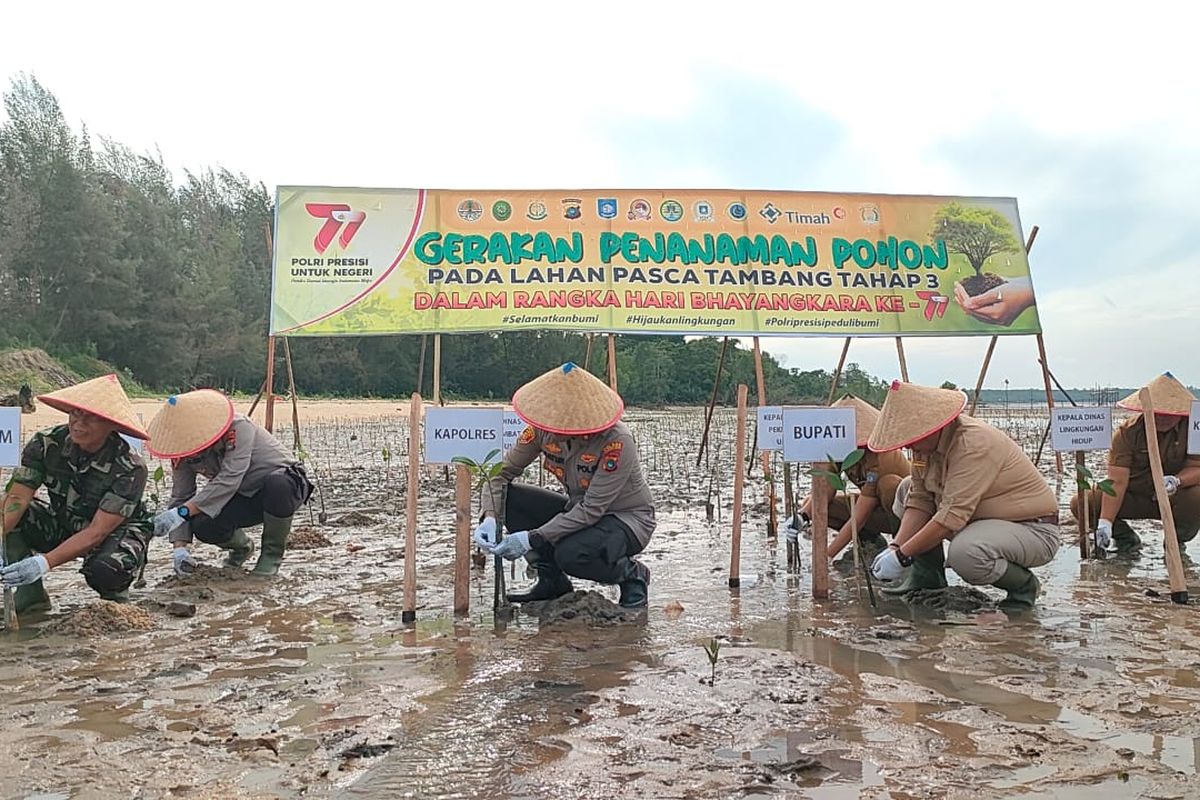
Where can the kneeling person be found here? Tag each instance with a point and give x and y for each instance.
(94, 481)
(970, 484)
(252, 480)
(607, 516)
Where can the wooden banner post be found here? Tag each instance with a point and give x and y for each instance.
(712, 402)
(739, 482)
(903, 361)
(437, 369)
(612, 361)
(462, 540)
(409, 613)
(820, 537)
(837, 373)
(269, 397)
(1179, 589)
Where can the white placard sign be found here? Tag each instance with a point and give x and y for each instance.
(469, 432)
(770, 428)
(10, 437)
(1078, 428)
(513, 427)
(817, 434)
(1194, 430)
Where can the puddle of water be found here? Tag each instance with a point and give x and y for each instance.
(1180, 753)
(1098, 791)
(1024, 775)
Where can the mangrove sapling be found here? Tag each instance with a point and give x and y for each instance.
(1085, 480)
(485, 472)
(839, 480)
(712, 649)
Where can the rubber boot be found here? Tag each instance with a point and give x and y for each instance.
(1022, 587)
(31, 596)
(551, 581)
(1125, 538)
(635, 586)
(928, 572)
(240, 548)
(274, 542)
(115, 597)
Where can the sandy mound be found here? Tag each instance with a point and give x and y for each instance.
(206, 573)
(355, 519)
(585, 608)
(959, 599)
(103, 618)
(36, 368)
(307, 539)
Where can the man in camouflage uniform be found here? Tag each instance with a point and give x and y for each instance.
(94, 482)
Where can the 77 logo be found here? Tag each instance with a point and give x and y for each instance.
(935, 304)
(337, 216)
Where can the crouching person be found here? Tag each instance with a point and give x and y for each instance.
(607, 515)
(972, 485)
(251, 480)
(94, 482)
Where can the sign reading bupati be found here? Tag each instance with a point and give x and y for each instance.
(1076, 428)
(374, 261)
(462, 432)
(818, 433)
(1194, 430)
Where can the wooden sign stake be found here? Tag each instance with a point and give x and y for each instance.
(1179, 590)
(820, 537)
(1085, 516)
(462, 540)
(409, 612)
(739, 482)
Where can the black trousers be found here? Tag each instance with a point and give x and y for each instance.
(283, 492)
(594, 553)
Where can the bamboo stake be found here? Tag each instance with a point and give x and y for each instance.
(257, 399)
(860, 564)
(769, 492)
(409, 613)
(612, 361)
(1179, 589)
(739, 482)
(1085, 517)
(1049, 392)
(712, 402)
(820, 537)
(903, 361)
(11, 623)
(837, 373)
(269, 399)
(462, 540)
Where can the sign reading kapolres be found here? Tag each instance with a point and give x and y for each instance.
(376, 261)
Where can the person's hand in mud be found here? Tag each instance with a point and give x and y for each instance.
(998, 306)
(183, 562)
(887, 566)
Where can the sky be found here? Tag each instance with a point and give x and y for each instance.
(1089, 115)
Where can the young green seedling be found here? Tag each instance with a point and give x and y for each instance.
(484, 473)
(838, 478)
(1086, 482)
(712, 650)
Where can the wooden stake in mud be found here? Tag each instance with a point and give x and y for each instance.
(837, 373)
(612, 361)
(903, 361)
(820, 537)
(462, 540)
(712, 402)
(1179, 590)
(409, 613)
(11, 623)
(739, 482)
(269, 398)
(772, 519)
(1085, 515)
(421, 363)
(287, 357)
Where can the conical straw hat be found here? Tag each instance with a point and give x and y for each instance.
(101, 396)
(865, 416)
(189, 423)
(911, 412)
(1167, 394)
(569, 401)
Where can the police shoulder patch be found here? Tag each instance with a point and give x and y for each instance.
(612, 461)
(613, 447)
(526, 435)
(231, 439)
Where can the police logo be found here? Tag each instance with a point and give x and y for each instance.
(536, 211)
(606, 208)
(571, 208)
(671, 210)
(502, 210)
(737, 211)
(470, 210)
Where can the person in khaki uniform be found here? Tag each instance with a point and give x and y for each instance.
(972, 485)
(1132, 480)
(607, 515)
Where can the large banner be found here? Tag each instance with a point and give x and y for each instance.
(379, 261)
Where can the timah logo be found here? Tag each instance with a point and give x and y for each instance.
(338, 217)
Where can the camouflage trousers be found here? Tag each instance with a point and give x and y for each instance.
(109, 568)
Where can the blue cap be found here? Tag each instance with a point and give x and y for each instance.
(567, 367)
(172, 400)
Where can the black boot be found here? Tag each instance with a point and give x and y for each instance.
(551, 582)
(635, 586)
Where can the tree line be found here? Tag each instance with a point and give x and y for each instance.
(105, 254)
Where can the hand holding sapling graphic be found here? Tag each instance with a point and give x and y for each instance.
(998, 306)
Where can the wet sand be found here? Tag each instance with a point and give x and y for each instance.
(308, 685)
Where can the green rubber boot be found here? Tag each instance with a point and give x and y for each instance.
(928, 572)
(274, 542)
(1022, 587)
(1125, 537)
(240, 548)
(115, 597)
(32, 596)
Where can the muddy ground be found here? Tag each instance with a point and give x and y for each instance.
(307, 685)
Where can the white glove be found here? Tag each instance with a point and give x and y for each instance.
(184, 563)
(797, 525)
(24, 572)
(1103, 534)
(887, 566)
(167, 521)
(1171, 484)
(485, 534)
